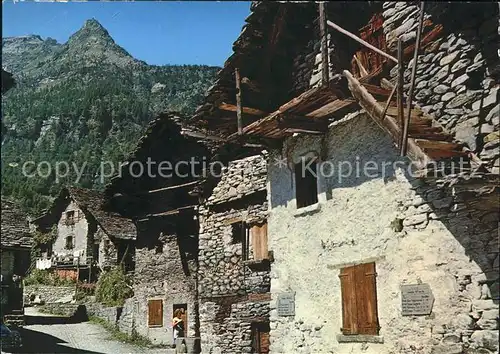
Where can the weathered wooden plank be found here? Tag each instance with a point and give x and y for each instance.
(330, 108)
(246, 110)
(437, 145)
(376, 90)
(374, 110)
(433, 136)
(437, 154)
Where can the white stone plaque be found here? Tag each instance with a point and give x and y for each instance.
(286, 304)
(416, 299)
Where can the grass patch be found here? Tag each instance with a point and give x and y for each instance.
(113, 288)
(134, 338)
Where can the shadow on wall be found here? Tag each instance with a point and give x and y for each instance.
(476, 23)
(475, 28)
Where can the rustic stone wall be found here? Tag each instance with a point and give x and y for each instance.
(308, 64)
(49, 294)
(238, 179)
(412, 231)
(221, 271)
(159, 274)
(123, 317)
(458, 73)
(108, 254)
(226, 323)
(231, 293)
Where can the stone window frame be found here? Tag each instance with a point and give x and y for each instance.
(70, 217)
(310, 155)
(69, 242)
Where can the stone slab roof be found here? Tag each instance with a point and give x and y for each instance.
(92, 204)
(112, 223)
(14, 226)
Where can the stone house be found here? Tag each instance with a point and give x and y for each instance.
(16, 243)
(80, 238)
(234, 261)
(162, 201)
(373, 252)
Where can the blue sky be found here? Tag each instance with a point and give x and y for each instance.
(174, 32)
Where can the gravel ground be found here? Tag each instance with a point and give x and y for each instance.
(55, 336)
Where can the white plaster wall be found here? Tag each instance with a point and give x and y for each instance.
(353, 226)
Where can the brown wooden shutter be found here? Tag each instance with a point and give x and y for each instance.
(155, 313)
(366, 293)
(348, 289)
(259, 242)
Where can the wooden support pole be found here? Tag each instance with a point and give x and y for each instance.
(400, 85)
(359, 40)
(324, 44)
(412, 80)
(239, 112)
(389, 101)
(373, 109)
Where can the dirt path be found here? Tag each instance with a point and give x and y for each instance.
(52, 335)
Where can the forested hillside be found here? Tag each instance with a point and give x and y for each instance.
(83, 102)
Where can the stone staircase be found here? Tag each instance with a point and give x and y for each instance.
(16, 319)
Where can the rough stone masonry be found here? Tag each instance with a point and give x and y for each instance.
(233, 295)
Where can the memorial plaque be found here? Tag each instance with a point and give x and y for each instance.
(286, 304)
(416, 300)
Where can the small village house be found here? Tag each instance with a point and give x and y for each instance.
(80, 239)
(162, 201)
(401, 260)
(16, 243)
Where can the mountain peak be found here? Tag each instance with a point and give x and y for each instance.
(93, 28)
(93, 24)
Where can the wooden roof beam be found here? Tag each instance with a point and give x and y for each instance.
(245, 110)
(388, 124)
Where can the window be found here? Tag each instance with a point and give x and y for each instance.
(242, 233)
(306, 188)
(238, 232)
(70, 217)
(69, 243)
(359, 300)
(260, 337)
(155, 313)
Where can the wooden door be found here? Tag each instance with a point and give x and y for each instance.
(260, 337)
(184, 316)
